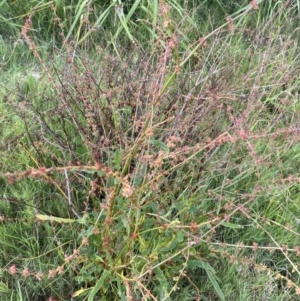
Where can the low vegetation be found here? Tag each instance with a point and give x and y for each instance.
(149, 151)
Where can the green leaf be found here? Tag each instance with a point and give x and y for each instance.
(233, 226)
(143, 245)
(161, 279)
(79, 292)
(192, 264)
(83, 220)
(159, 144)
(215, 285)
(60, 220)
(210, 273)
(98, 285)
(180, 236)
(51, 218)
(118, 159)
(4, 288)
(2, 2)
(123, 20)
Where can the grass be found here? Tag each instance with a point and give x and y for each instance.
(150, 155)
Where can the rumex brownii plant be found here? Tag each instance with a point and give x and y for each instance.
(149, 172)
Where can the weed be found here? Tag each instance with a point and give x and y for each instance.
(166, 172)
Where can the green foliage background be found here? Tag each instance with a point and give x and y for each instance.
(149, 151)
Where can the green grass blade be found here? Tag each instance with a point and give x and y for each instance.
(99, 22)
(79, 12)
(123, 21)
(98, 285)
